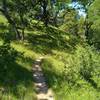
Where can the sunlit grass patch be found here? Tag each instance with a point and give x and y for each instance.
(16, 82)
(63, 73)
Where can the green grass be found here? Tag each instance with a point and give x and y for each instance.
(17, 82)
(66, 56)
(62, 71)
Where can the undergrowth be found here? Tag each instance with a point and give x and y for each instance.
(74, 76)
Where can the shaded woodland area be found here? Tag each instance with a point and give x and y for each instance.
(70, 41)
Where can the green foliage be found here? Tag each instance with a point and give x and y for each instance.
(94, 18)
(7, 52)
(81, 28)
(67, 73)
(15, 72)
(69, 21)
(85, 3)
(71, 67)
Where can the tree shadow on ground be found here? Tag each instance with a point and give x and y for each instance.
(13, 75)
(52, 39)
(14, 78)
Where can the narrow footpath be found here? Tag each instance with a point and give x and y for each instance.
(42, 90)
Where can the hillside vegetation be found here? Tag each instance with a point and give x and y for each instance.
(70, 48)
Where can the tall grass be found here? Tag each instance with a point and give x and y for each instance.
(74, 76)
(16, 81)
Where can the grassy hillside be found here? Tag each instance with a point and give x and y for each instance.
(74, 76)
(71, 66)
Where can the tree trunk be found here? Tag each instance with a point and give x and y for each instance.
(10, 20)
(45, 12)
(22, 37)
(22, 25)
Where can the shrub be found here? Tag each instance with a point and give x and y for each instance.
(83, 64)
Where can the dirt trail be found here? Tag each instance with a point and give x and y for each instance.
(42, 90)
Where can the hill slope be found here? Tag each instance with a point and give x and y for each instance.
(71, 66)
